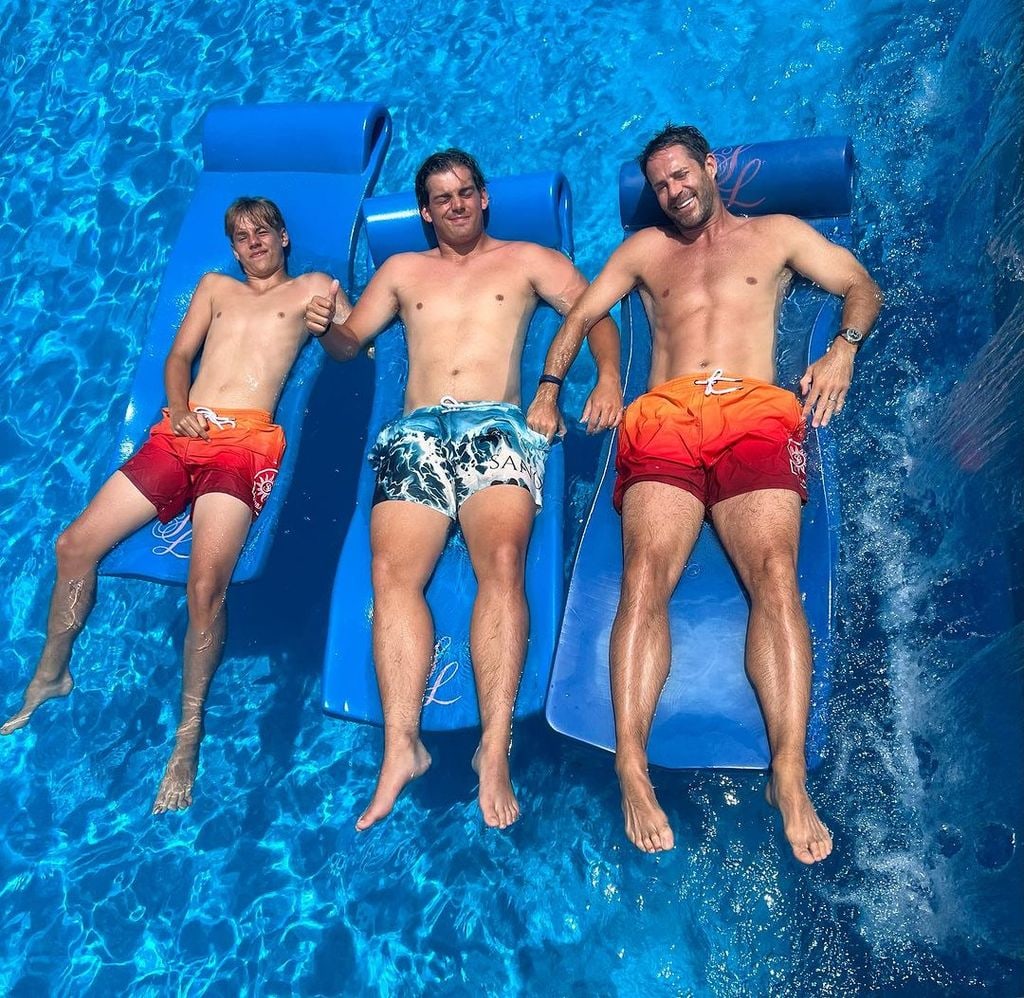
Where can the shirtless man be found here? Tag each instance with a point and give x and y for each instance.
(714, 437)
(216, 436)
(461, 453)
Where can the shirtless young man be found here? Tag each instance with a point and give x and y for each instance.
(714, 436)
(466, 307)
(216, 437)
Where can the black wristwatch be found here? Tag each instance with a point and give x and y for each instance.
(851, 335)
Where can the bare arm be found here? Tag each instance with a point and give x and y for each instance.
(619, 276)
(178, 367)
(561, 285)
(343, 330)
(827, 380)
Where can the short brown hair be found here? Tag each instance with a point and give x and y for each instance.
(261, 210)
(687, 136)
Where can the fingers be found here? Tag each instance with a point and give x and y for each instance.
(828, 405)
(191, 425)
(540, 420)
(320, 311)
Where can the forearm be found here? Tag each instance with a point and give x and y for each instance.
(603, 339)
(861, 305)
(566, 344)
(340, 342)
(177, 381)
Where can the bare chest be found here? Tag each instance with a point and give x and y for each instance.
(740, 273)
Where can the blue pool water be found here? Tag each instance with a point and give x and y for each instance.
(263, 887)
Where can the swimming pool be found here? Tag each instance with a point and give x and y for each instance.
(262, 887)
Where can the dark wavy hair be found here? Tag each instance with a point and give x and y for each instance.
(443, 162)
(687, 136)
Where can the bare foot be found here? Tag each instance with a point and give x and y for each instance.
(399, 768)
(38, 691)
(807, 834)
(646, 824)
(497, 799)
(175, 793)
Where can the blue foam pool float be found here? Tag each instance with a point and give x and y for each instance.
(317, 162)
(708, 714)
(535, 208)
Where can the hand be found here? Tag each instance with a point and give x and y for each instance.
(186, 423)
(826, 382)
(543, 416)
(603, 410)
(320, 311)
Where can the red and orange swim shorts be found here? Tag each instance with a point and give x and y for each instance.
(241, 458)
(715, 436)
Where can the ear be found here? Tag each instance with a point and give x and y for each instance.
(485, 198)
(426, 216)
(711, 165)
(285, 238)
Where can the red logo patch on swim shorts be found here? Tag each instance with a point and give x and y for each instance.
(262, 486)
(797, 459)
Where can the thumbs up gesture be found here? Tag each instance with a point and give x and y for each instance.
(321, 310)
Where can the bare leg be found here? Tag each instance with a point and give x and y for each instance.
(660, 525)
(406, 539)
(761, 530)
(116, 511)
(496, 523)
(220, 524)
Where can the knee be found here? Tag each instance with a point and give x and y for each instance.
(503, 564)
(205, 595)
(773, 576)
(75, 556)
(390, 573)
(646, 584)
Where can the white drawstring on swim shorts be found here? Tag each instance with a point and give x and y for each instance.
(219, 421)
(713, 380)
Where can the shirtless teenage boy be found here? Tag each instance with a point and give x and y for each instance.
(466, 306)
(216, 437)
(714, 436)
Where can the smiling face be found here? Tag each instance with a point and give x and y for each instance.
(455, 206)
(684, 186)
(258, 246)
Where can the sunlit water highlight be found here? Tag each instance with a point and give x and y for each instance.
(263, 887)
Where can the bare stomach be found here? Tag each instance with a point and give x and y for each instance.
(470, 388)
(244, 396)
(750, 357)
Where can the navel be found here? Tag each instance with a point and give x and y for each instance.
(280, 315)
(500, 297)
(666, 292)
(751, 280)
(419, 304)
(704, 363)
(218, 315)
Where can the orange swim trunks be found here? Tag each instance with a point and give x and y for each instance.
(241, 458)
(714, 436)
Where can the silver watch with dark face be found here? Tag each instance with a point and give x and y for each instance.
(851, 335)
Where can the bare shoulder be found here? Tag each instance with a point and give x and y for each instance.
(315, 282)
(534, 256)
(787, 228)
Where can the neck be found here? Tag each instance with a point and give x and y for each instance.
(474, 244)
(262, 284)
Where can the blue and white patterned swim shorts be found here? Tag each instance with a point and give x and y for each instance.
(440, 455)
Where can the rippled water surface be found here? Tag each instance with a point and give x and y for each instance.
(262, 886)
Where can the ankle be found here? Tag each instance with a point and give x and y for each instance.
(631, 764)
